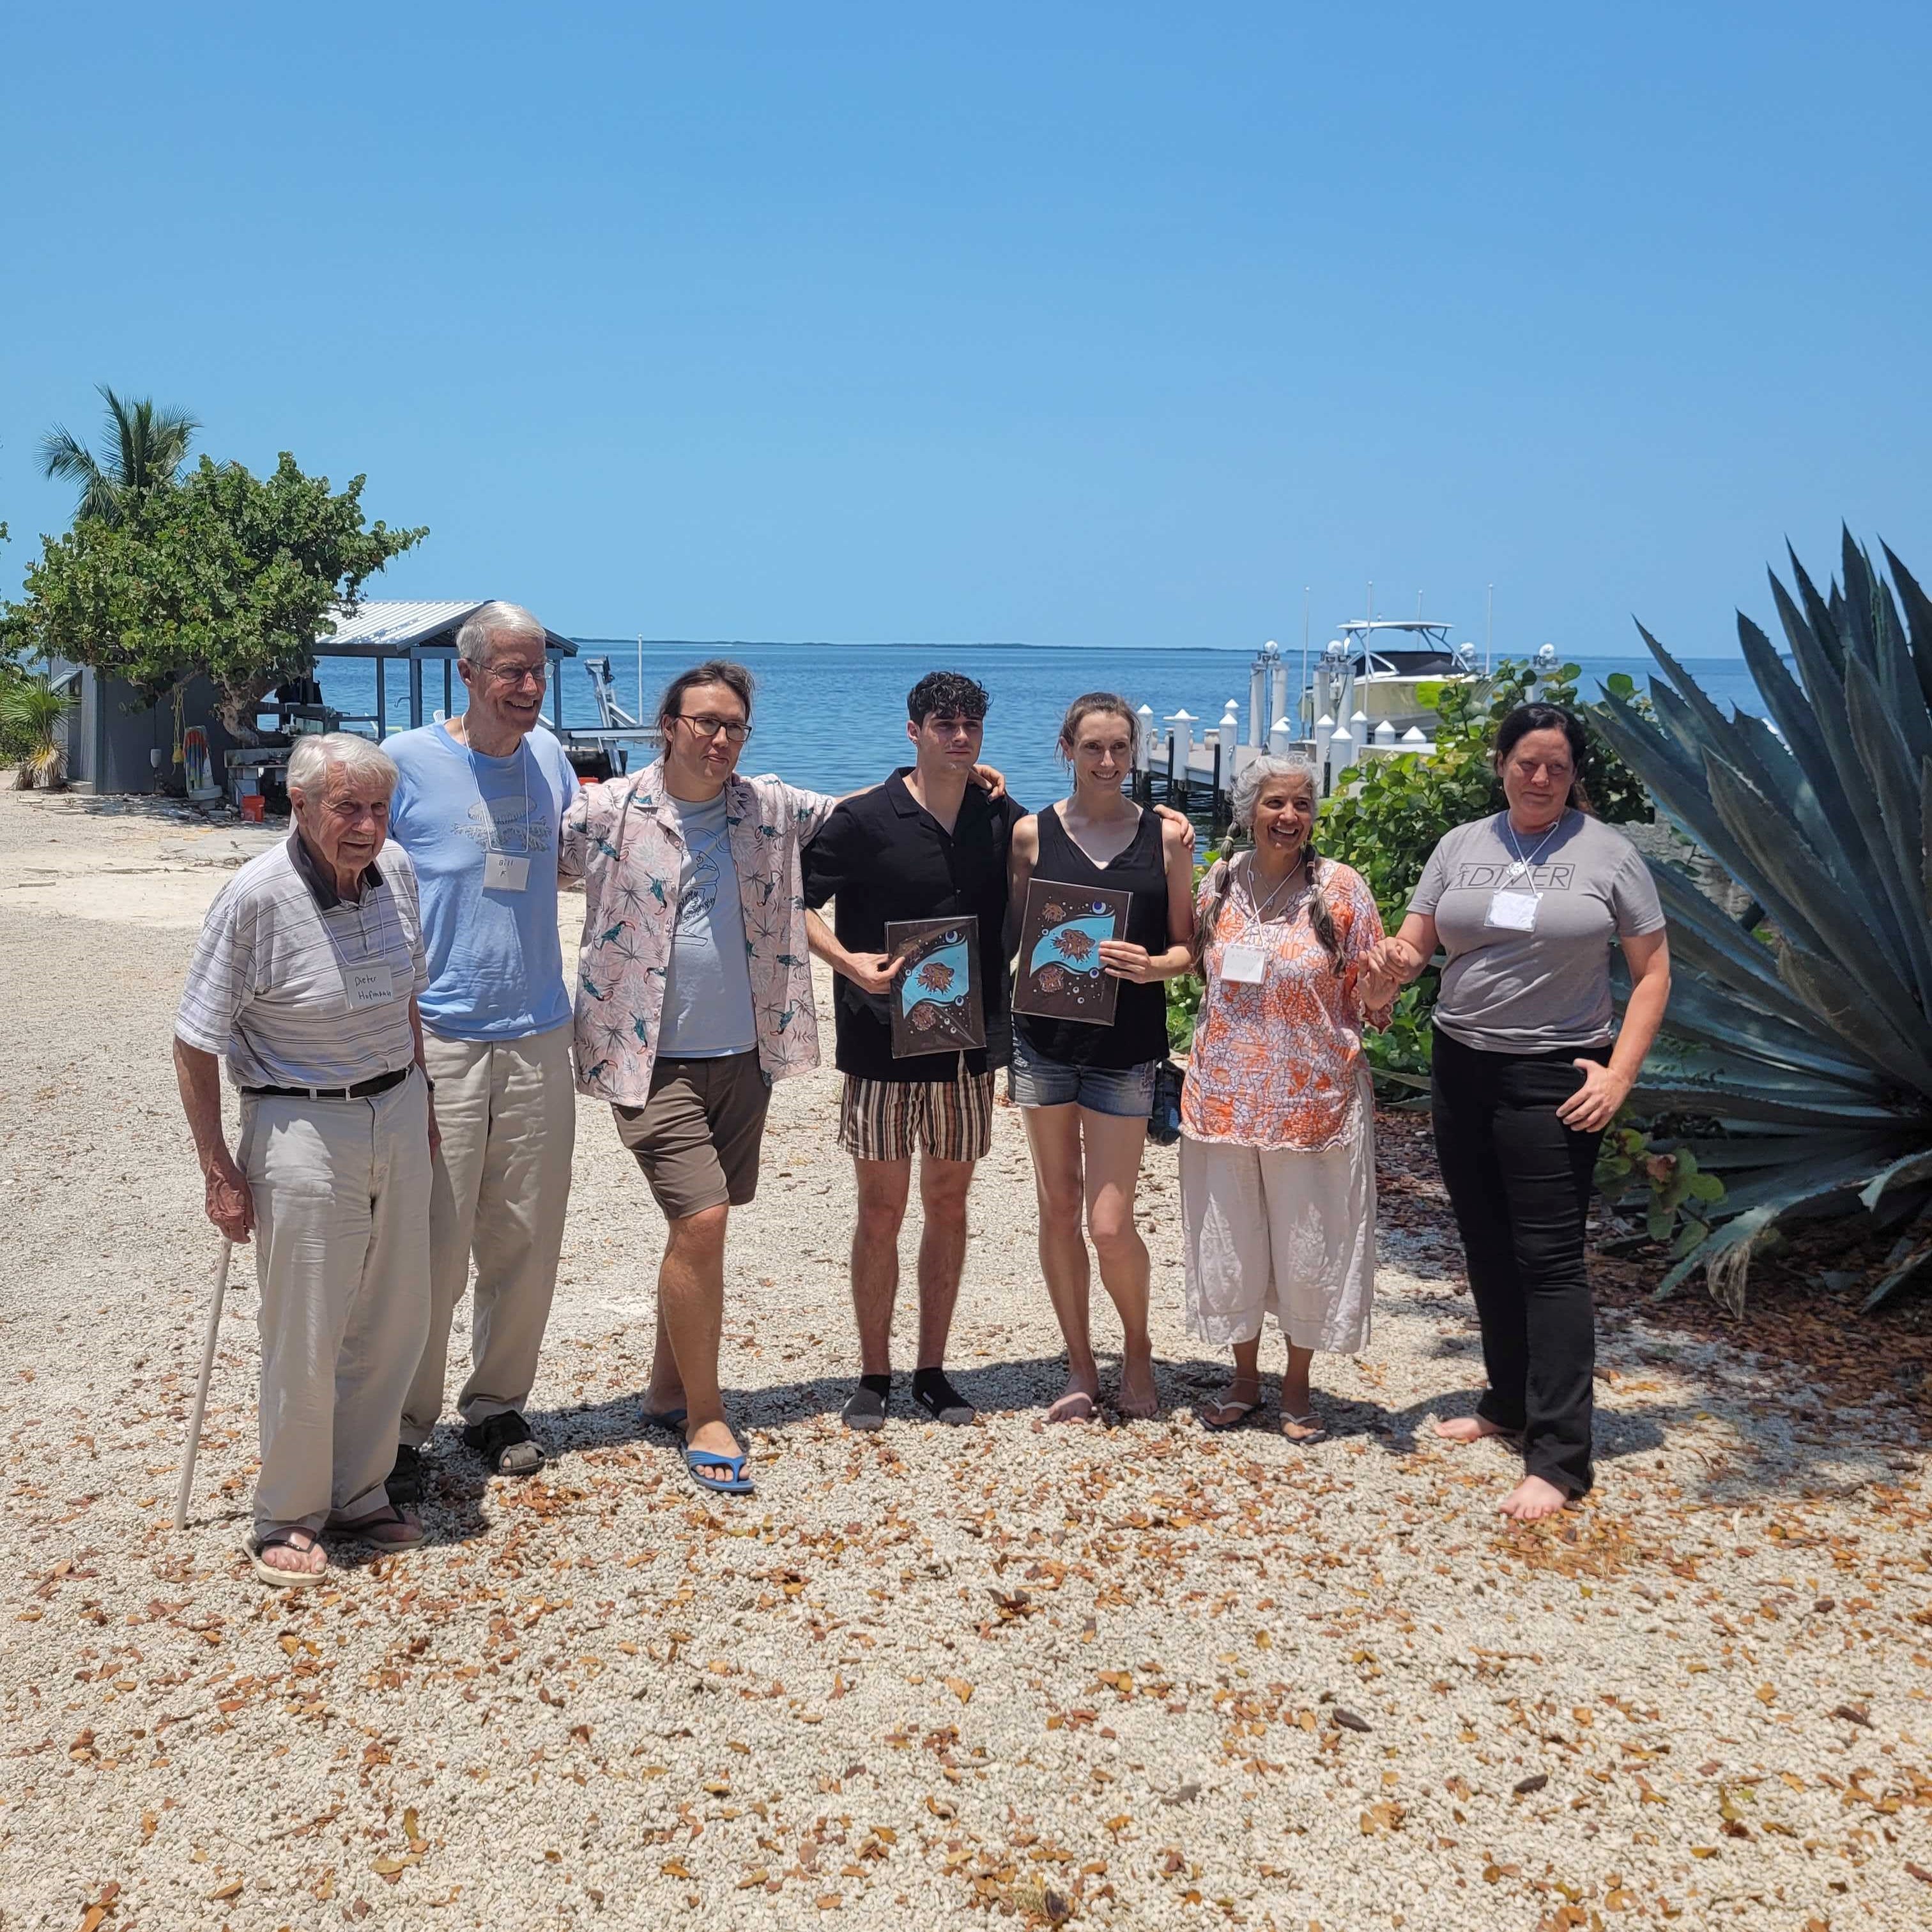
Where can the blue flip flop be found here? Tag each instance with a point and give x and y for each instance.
(670, 1420)
(736, 1484)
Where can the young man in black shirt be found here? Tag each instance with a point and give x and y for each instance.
(927, 844)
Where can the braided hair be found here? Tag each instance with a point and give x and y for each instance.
(1248, 786)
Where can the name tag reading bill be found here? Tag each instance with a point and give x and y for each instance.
(370, 985)
(1244, 965)
(506, 871)
(1513, 912)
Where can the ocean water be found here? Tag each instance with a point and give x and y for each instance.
(832, 716)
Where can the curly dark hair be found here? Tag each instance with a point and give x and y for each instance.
(950, 693)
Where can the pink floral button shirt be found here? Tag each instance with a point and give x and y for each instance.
(630, 854)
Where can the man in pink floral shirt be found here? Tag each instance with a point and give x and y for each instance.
(693, 993)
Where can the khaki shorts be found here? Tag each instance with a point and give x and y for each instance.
(948, 1120)
(697, 1137)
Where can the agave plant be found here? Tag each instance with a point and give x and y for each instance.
(1802, 1034)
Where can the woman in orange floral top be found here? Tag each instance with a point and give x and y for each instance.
(1277, 1152)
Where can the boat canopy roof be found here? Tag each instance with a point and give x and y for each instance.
(1426, 653)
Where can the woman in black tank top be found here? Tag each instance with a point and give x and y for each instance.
(1085, 1089)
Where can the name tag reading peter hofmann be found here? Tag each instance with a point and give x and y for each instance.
(1513, 912)
(370, 985)
(506, 871)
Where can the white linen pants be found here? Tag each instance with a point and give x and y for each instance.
(341, 1192)
(507, 1111)
(1276, 1230)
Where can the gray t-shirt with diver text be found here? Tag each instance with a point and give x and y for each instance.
(1505, 991)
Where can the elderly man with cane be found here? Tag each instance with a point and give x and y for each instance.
(305, 979)
(477, 808)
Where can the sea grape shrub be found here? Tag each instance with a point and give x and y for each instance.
(1678, 1196)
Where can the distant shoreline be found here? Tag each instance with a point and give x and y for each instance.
(919, 644)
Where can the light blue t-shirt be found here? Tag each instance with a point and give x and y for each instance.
(707, 1002)
(495, 968)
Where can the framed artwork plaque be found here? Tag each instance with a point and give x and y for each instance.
(1061, 928)
(937, 1003)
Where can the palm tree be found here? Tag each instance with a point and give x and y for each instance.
(31, 715)
(143, 450)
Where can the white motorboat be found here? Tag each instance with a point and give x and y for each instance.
(1385, 668)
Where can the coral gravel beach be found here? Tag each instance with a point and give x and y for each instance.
(1135, 1676)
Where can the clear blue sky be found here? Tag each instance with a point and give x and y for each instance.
(1097, 324)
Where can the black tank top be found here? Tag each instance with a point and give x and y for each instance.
(1139, 1030)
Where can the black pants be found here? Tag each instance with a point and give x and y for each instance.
(1520, 1182)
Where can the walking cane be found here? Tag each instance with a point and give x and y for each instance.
(201, 1387)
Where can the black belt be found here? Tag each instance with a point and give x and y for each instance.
(361, 1090)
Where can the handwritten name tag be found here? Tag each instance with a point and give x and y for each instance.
(1244, 965)
(1513, 912)
(370, 985)
(506, 872)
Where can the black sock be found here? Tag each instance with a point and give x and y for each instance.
(880, 1385)
(933, 1382)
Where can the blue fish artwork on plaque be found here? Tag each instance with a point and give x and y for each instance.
(937, 1005)
(1062, 929)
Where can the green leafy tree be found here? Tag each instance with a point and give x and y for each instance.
(141, 454)
(228, 574)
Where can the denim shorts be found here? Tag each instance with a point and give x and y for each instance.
(1032, 1081)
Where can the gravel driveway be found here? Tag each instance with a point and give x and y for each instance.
(1133, 1676)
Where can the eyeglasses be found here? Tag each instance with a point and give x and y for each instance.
(705, 726)
(518, 674)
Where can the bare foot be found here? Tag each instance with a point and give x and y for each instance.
(1532, 1499)
(1140, 1400)
(1468, 1429)
(713, 1437)
(1076, 1405)
(302, 1558)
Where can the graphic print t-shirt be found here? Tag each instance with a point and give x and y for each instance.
(707, 1003)
(496, 966)
(1509, 991)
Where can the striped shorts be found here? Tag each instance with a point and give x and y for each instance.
(945, 1119)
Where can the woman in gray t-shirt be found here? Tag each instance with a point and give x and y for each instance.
(1527, 1069)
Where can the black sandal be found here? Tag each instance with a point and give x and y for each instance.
(505, 1443)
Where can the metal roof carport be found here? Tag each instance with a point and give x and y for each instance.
(416, 631)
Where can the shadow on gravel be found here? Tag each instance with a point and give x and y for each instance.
(1020, 1389)
(1402, 1431)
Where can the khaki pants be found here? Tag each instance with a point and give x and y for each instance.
(342, 1256)
(507, 1111)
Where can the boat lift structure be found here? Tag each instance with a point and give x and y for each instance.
(413, 635)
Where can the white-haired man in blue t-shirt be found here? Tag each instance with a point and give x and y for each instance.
(477, 808)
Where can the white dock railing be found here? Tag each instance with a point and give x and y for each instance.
(1205, 768)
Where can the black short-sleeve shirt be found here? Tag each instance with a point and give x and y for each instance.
(882, 856)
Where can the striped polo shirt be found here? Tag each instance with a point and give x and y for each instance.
(295, 986)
